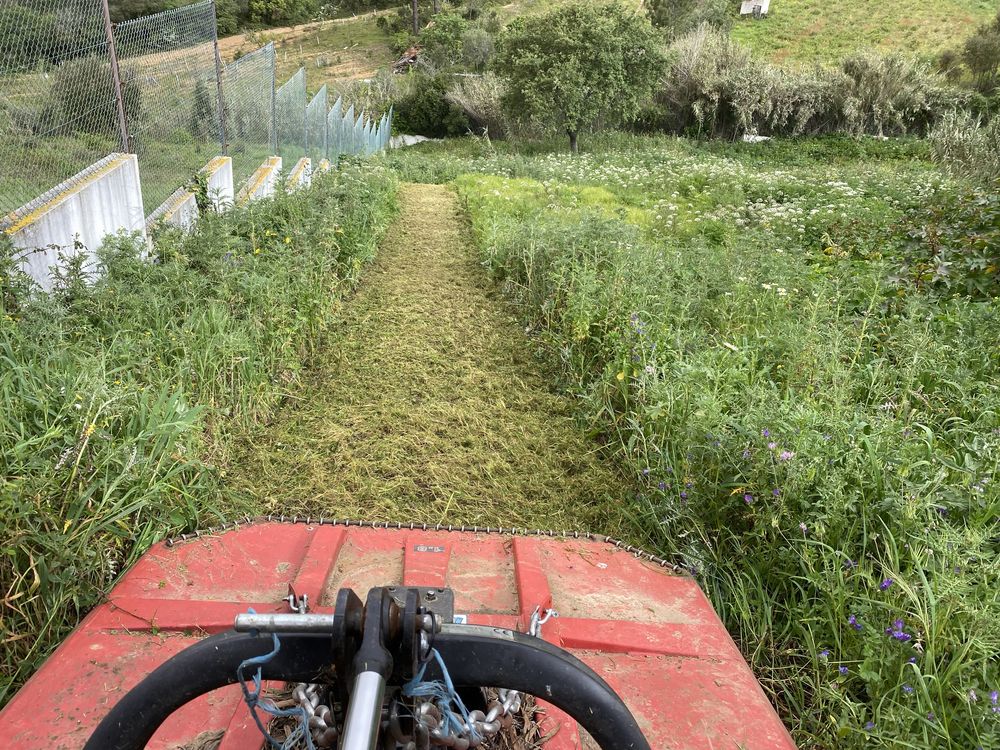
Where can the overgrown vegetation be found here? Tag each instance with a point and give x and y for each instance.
(121, 396)
(811, 421)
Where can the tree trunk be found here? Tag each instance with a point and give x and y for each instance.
(573, 147)
(416, 17)
(437, 6)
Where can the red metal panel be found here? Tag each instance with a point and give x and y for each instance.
(651, 634)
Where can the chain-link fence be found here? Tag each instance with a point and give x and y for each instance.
(169, 79)
(248, 87)
(58, 108)
(316, 132)
(290, 118)
(75, 88)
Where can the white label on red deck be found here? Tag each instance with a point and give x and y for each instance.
(426, 548)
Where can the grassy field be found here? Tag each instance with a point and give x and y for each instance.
(811, 429)
(811, 31)
(331, 51)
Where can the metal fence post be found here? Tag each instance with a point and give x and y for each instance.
(224, 141)
(116, 78)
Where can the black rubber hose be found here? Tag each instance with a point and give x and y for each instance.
(474, 657)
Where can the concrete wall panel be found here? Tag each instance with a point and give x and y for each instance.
(103, 199)
(179, 210)
(301, 174)
(219, 172)
(263, 182)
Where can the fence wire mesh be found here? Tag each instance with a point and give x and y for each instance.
(316, 135)
(248, 95)
(168, 71)
(334, 124)
(290, 119)
(58, 110)
(74, 88)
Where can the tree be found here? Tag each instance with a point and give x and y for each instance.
(578, 65)
(982, 55)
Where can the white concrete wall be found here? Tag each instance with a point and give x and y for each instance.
(179, 210)
(263, 182)
(301, 174)
(219, 172)
(103, 199)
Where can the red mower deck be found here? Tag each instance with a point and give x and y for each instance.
(650, 632)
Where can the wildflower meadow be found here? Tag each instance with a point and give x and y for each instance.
(809, 413)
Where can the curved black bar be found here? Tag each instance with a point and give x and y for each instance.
(475, 656)
(199, 669)
(481, 656)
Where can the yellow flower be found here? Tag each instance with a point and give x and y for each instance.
(621, 375)
(288, 240)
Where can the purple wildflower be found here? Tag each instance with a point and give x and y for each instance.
(748, 498)
(850, 564)
(645, 472)
(912, 660)
(776, 492)
(995, 701)
(746, 453)
(897, 632)
(662, 486)
(771, 446)
(824, 654)
(765, 432)
(853, 622)
(885, 584)
(684, 496)
(842, 669)
(803, 527)
(908, 689)
(869, 726)
(786, 456)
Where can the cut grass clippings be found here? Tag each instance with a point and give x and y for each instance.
(429, 405)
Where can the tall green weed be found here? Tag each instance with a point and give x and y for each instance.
(817, 441)
(121, 394)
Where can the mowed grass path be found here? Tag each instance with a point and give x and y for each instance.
(429, 404)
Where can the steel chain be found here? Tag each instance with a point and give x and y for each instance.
(637, 552)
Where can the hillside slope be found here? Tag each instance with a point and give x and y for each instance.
(806, 31)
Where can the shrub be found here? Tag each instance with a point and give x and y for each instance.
(967, 147)
(479, 97)
(424, 109)
(84, 97)
(714, 86)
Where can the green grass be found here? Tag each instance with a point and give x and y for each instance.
(801, 428)
(121, 397)
(429, 404)
(810, 31)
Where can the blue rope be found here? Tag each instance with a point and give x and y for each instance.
(252, 698)
(444, 695)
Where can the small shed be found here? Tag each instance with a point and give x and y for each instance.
(754, 8)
